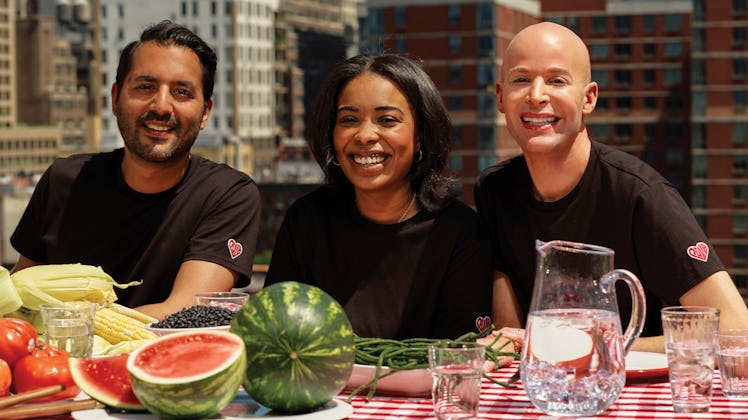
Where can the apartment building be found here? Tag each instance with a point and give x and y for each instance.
(719, 126)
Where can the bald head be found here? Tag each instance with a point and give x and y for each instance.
(547, 39)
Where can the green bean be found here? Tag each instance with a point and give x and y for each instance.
(412, 353)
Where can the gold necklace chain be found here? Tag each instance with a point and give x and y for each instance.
(407, 209)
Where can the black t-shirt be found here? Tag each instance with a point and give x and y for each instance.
(83, 211)
(620, 203)
(429, 276)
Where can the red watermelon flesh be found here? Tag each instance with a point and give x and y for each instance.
(106, 380)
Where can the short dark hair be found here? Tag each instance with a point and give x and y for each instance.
(167, 33)
(433, 126)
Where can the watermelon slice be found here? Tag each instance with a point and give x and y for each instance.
(106, 380)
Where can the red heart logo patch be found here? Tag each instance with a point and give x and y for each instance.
(235, 248)
(482, 323)
(700, 251)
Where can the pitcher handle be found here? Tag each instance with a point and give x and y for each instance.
(638, 303)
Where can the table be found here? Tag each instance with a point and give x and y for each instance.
(641, 400)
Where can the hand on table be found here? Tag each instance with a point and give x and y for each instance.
(512, 340)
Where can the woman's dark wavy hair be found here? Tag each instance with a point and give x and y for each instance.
(168, 33)
(433, 127)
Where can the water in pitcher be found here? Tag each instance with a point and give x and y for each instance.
(574, 361)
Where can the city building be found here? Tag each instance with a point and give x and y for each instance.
(719, 129)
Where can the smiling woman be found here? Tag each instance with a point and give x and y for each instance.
(392, 244)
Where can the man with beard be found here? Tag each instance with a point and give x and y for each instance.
(150, 211)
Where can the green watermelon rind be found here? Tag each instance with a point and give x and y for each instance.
(195, 397)
(97, 390)
(295, 318)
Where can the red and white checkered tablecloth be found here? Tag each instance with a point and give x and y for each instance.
(641, 400)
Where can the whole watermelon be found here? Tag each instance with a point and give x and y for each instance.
(300, 346)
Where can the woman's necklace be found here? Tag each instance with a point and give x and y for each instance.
(407, 209)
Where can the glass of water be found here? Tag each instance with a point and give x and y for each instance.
(457, 369)
(690, 345)
(70, 327)
(732, 352)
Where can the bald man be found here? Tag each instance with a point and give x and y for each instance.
(569, 187)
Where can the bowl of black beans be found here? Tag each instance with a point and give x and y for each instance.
(194, 318)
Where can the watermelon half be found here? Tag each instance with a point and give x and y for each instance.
(106, 380)
(300, 346)
(188, 374)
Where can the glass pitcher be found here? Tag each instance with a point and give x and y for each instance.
(573, 361)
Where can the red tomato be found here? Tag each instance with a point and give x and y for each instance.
(45, 366)
(17, 339)
(5, 378)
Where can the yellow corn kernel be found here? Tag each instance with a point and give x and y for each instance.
(132, 313)
(115, 327)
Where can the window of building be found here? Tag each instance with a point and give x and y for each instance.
(673, 76)
(213, 8)
(623, 104)
(698, 196)
(457, 134)
(650, 131)
(739, 133)
(453, 13)
(572, 22)
(649, 24)
(697, 40)
(673, 23)
(400, 17)
(623, 132)
(600, 132)
(455, 163)
(376, 21)
(650, 77)
(738, 164)
(673, 130)
(623, 77)
(623, 24)
(738, 68)
(455, 103)
(400, 44)
(739, 193)
(738, 35)
(485, 15)
(650, 102)
(598, 51)
(227, 5)
(183, 8)
(602, 103)
(674, 101)
(486, 46)
(673, 49)
(455, 44)
(674, 157)
(486, 105)
(698, 103)
(486, 133)
(623, 51)
(650, 157)
(455, 74)
(599, 24)
(739, 224)
(698, 166)
(486, 76)
(485, 161)
(650, 49)
(195, 8)
(738, 7)
(739, 99)
(601, 77)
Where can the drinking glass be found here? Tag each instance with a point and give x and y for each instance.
(232, 301)
(690, 344)
(70, 327)
(456, 368)
(732, 353)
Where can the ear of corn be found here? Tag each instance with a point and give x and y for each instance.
(115, 327)
(132, 313)
(58, 283)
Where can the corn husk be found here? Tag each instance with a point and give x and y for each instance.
(58, 283)
(9, 299)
